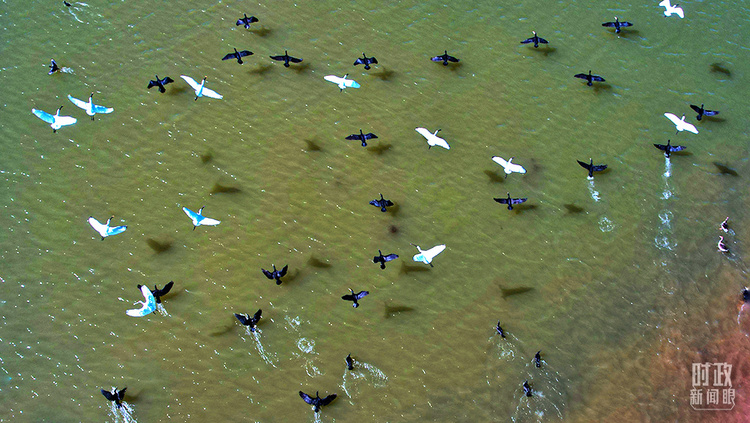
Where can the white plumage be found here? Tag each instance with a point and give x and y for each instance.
(147, 307)
(426, 256)
(198, 219)
(680, 123)
(669, 9)
(341, 81)
(508, 165)
(56, 121)
(200, 89)
(104, 229)
(89, 106)
(432, 138)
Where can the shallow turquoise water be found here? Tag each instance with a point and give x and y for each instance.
(603, 279)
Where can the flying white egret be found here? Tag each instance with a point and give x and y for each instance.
(200, 89)
(56, 121)
(509, 166)
(672, 9)
(426, 256)
(432, 138)
(104, 229)
(90, 108)
(680, 123)
(147, 307)
(341, 81)
(198, 219)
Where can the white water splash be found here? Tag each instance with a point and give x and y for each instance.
(123, 414)
(592, 190)
(266, 356)
(363, 373)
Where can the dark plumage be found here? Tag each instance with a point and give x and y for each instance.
(246, 21)
(115, 395)
(349, 362)
(158, 293)
(66, 3)
(159, 83)
(617, 25)
(669, 148)
(362, 137)
(591, 167)
(510, 201)
(364, 60)
(746, 295)
(317, 402)
(535, 39)
(53, 67)
(445, 58)
(538, 359)
(355, 297)
(246, 320)
(237, 55)
(380, 258)
(589, 78)
(703, 112)
(500, 330)
(527, 389)
(286, 58)
(382, 203)
(276, 274)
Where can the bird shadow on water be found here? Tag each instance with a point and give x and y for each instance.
(260, 70)
(304, 67)
(219, 188)
(544, 51)
(379, 149)
(319, 264)
(260, 32)
(405, 268)
(602, 88)
(495, 177)
(524, 207)
(159, 246)
(725, 170)
(573, 209)
(393, 310)
(720, 68)
(384, 74)
(313, 146)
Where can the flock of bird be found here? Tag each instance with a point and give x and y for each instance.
(153, 297)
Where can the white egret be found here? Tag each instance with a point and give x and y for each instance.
(426, 256)
(56, 121)
(90, 108)
(104, 229)
(669, 9)
(432, 138)
(147, 307)
(342, 82)
(509, 166)
(680, 123)
(198, 219)
(200, 89)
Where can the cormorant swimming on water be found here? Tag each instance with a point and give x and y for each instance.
(53, 67)
(349, 362)
(527, 389)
